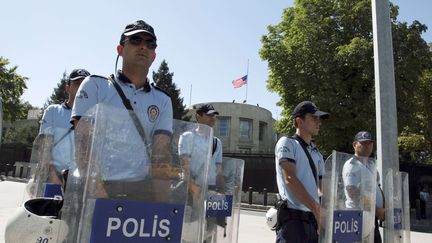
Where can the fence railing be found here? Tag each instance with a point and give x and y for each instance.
(16, 171)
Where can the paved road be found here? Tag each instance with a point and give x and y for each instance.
(252, 224)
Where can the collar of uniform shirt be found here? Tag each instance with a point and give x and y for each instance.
(312, 145)
(65, 105)
(125, 79)
(366, 162)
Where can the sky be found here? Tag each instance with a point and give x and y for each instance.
(207, 44)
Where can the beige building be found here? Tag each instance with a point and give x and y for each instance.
(243, 128)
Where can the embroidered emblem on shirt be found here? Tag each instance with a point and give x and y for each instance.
(283, 150)
(153, 113)
(82, 95)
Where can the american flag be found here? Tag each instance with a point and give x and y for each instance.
(240, 82)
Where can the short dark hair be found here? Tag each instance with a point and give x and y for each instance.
(302, 116)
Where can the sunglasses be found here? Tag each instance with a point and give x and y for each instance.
(136, 41)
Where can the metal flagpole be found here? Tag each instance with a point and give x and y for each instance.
(190, 96)
(385, 102)
(247, 79)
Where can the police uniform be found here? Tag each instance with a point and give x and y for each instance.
(301, 217)
(57, 115)
(291, 150)
(352, 174)
(193, 144)
(151, 104)
(55, 121)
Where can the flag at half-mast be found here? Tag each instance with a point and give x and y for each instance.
(240, 82)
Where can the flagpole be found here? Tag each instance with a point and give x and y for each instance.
(247, 82)
(190, 96)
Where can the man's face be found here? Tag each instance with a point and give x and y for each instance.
(363, 148)
(72, 87)
(310, 124)
(207, 119)
(138, 50)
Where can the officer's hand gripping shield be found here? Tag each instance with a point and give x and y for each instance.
(397, 214)
(52, 155)
(348, 199)
(223, 203)
(130, 188)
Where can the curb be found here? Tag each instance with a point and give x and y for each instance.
(254, 207)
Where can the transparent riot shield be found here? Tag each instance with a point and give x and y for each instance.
(38, 219)
(1, 120)
(132, 186)
(223, 203)
(52, 155)
(348, 199)
(397, 223)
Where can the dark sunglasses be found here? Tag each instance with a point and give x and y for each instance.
(136, 41)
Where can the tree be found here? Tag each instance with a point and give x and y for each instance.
(12, 86)
(21, 134)
(322, 50)
(164, 80)
(59, 94)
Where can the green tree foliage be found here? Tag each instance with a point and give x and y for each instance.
(12, 86)
(59, 94)
(21, 134)
(322, 51)
(164, 80)
(425, 108)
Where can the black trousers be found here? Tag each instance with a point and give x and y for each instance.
(423, 209)
(377, 235)
(297, 231)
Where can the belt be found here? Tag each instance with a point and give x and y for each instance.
(290, 213)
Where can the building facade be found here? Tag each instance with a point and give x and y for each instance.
(243, 128)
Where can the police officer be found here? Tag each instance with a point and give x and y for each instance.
(352, 173)
(299, 165)
(56, 120)
(205, 114)
(137, 47)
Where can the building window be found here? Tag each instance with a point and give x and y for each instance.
(245, 129)
(223, 126)
(262, 130)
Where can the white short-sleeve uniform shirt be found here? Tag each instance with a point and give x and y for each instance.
(152, 105)
(355, 172)
(56, 121)
(290, 149)
(195, 145)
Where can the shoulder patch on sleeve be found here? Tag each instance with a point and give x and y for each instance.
(161, 90)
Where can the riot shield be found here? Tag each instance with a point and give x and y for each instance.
(397, 223)
(38, 218)
(223, 205)
(132, 186)
(348, 199)
(1, 119)
(52, 154)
